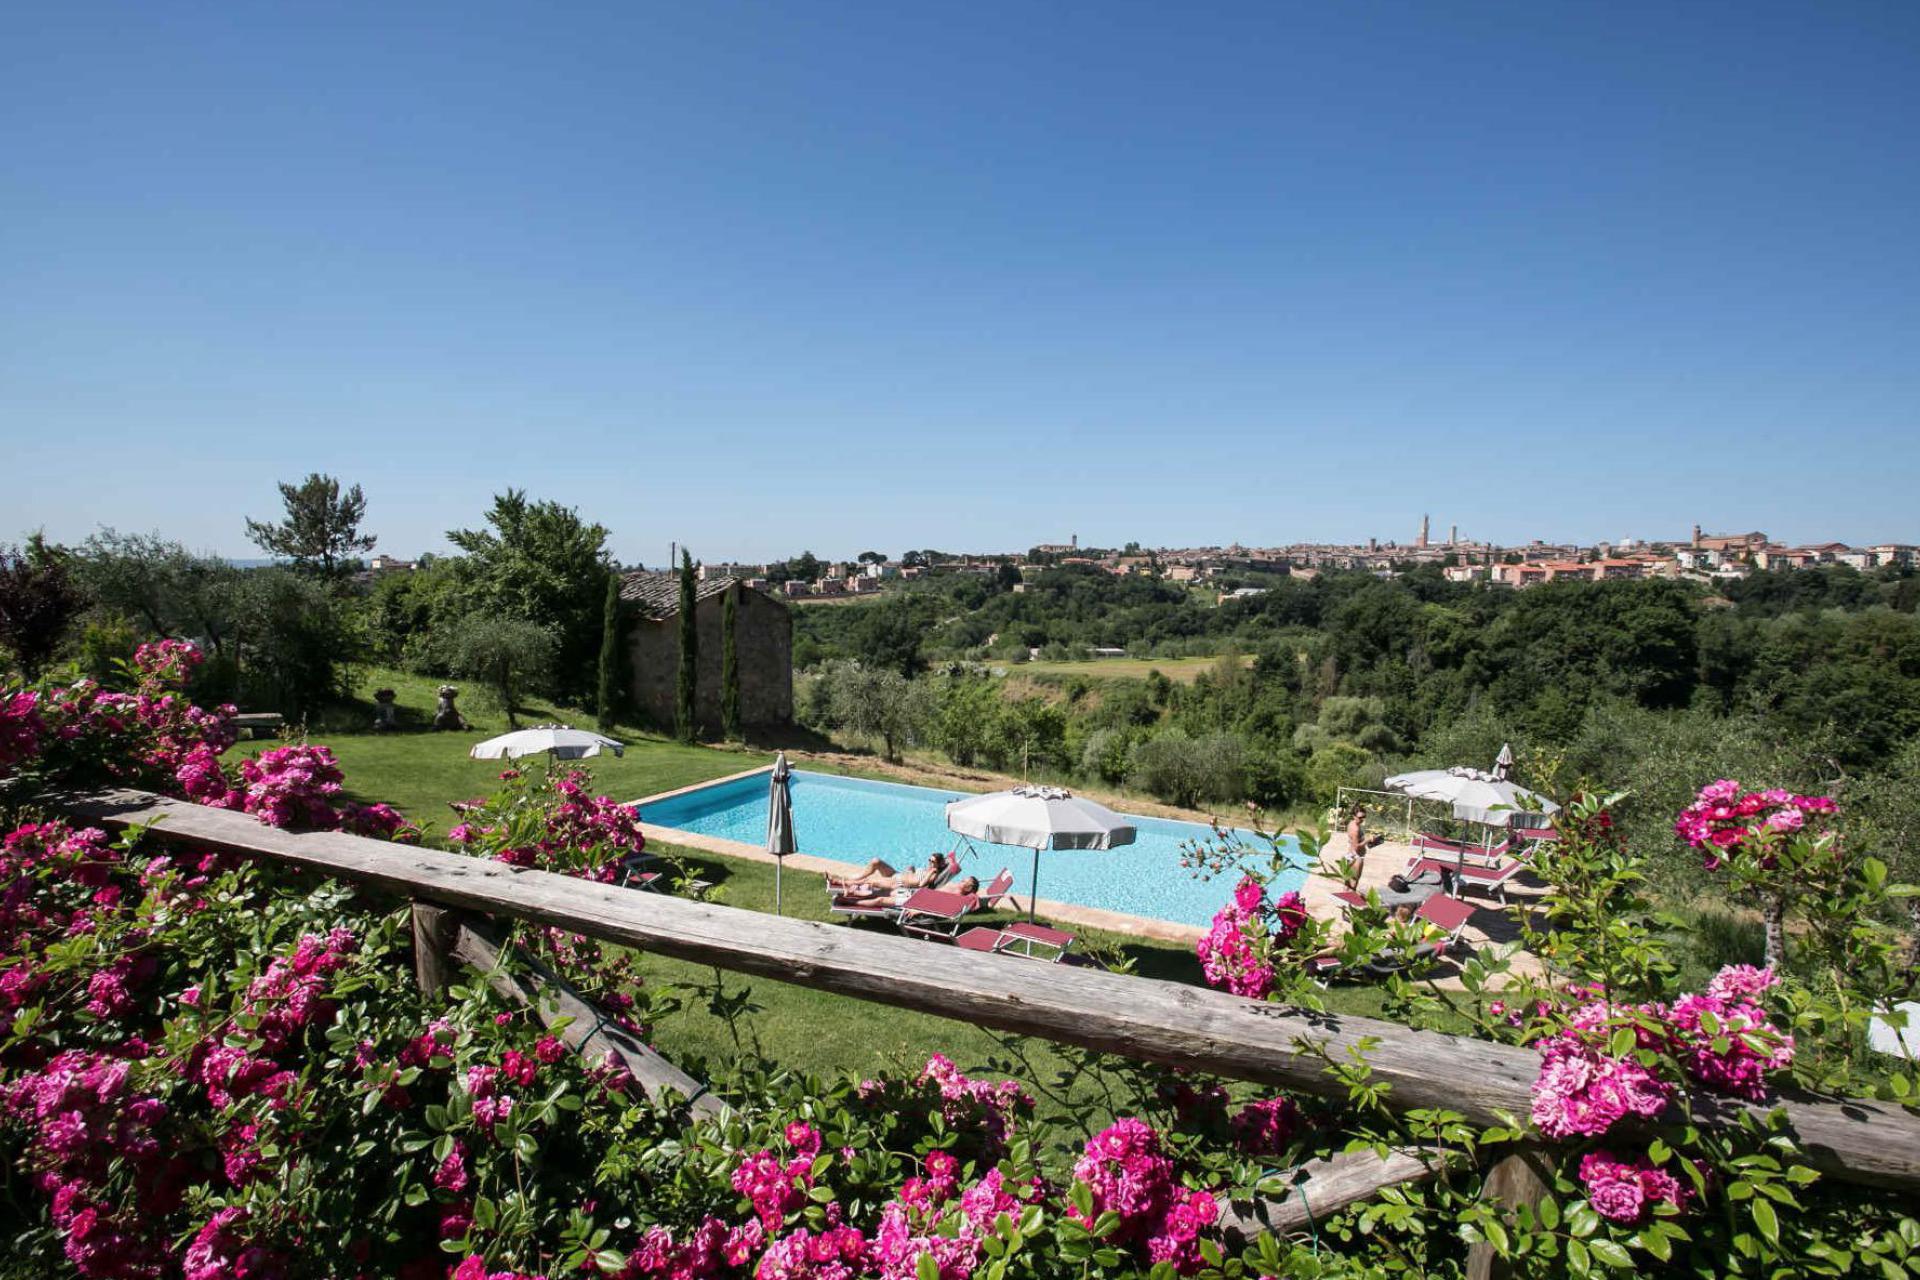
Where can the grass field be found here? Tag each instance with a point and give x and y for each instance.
(1181, 670)
(422, 771)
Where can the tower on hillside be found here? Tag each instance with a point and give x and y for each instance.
(1073, 540)
(1453, 535)
(1423, 532)
(1696, 535)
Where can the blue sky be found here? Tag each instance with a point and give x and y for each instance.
(764, 277)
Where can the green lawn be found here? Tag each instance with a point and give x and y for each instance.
(1180, 670)
(422, 772)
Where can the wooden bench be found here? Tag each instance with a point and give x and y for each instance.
(253, 723)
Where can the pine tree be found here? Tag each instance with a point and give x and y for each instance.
(686, 709)
(610, 654)
(730, 666)
(322, 530)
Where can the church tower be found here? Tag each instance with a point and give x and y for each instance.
(1423, 532)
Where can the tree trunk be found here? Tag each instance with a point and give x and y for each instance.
(1777, 933)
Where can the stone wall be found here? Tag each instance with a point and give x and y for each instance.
(765, 648)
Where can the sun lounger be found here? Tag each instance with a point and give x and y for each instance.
(1440, 848)
(1449, 916)
(636, 873)
(1492, 880)
(936, 913)
(883, 906)
(1018, 940)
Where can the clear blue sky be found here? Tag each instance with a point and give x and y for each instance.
(773, 276)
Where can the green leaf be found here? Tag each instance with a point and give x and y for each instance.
(1610, 1252)
(1578, 1263)
(927, 1268)
(1766, 1221)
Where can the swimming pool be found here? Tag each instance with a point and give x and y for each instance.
(851, 820)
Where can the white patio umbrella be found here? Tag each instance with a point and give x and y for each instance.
(555, 740)
(1477, 796)
(1039, 818)
(780, 838)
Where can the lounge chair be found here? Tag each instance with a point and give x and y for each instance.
(937, 913)
(1450, 916)
(883, 906)
(1458, 878)
(636, 873)
(1461, 851)
(1018, 940)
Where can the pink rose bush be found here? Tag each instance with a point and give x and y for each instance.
(1628, 1192)
(576, 833)
(157, 739)
(1126, 1172)
(20, 728)
(141, 738)
(183, 1090)
(1237, 951)
(1722, 1039)
(1723, 820)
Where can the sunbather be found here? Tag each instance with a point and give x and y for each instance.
(878, 878)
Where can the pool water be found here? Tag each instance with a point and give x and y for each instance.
(851, 820)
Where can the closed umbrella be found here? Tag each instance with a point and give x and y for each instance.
(780, 840)
(1039, 818)
(1503, 763)
(555, 740)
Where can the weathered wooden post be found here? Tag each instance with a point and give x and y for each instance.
(1520, 1178)
(435, 930)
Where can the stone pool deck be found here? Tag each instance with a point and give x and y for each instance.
(1490, 926)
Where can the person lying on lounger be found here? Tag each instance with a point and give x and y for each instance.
(878, 878)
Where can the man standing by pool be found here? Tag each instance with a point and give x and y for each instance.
(1358, 841)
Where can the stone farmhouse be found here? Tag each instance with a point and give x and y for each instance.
(763, 642)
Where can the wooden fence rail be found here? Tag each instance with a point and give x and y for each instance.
(1158, 1021)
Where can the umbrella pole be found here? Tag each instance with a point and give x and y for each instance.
(778, 863)
(1033, 892)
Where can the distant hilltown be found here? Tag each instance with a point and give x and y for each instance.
(1703, 557)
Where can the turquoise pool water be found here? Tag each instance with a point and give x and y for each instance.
(851, 820)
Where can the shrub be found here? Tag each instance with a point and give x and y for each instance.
(509, 654)
(1336, 765)
(1107, 755)
(1188, 771)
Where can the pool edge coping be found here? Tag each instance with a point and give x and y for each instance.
(1070, 912)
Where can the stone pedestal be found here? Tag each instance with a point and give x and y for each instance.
(445, 714)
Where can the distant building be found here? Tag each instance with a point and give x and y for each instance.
(763, 643)
(390, 564)
(1733, 542)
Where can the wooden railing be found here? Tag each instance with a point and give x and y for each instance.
(1173, 1023)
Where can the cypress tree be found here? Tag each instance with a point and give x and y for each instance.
(686, 709)
(730, 666)
(610, 654)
